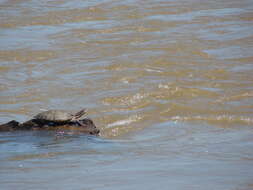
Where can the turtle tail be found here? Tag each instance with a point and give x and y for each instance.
(80, 113)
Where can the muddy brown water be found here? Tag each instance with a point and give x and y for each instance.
(168, 83)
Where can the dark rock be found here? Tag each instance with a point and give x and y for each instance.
(10, 126)
(81, 126)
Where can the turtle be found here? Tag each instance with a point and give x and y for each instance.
(59, 116)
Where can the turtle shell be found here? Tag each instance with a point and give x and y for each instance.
(54, 116)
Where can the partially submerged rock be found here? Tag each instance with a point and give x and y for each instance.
(83, 125)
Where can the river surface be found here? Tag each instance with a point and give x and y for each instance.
(168, 82)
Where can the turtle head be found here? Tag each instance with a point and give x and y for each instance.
(79, 114)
